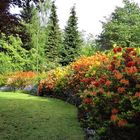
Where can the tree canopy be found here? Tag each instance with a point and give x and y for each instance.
(123, 27)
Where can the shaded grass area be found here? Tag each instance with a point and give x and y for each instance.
(23, 116)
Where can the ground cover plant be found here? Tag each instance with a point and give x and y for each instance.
(28, 117)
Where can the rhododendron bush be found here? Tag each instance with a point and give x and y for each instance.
(53, 81)
(107, 90)
(111, 101)
(67, 81)
(21, 79)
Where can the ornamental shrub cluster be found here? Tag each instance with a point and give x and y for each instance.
(111, 102)
(20, 79)
(65, 82)
(106, 89)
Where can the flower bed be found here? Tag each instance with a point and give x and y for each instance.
(20, 80)
(66, 82)
(106, 88)
(111, 102)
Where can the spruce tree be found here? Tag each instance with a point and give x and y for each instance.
(53, 43)
(71, 43)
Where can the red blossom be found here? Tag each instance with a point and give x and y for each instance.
(118, 75)
(128, 50)
(113, 63)
(115, 71)
(114, 57)
(119, 49)
(130, 64)
(87, 100)
(96, 84)
(115, 50)
(137, 94)
(102, 81)
(131, 70)
(128, 58)
(111, 68)
(134, 53)
(114, 118)
(124, 81)
(121, 89)
(108, 83)
(114, 111)
(122, 123)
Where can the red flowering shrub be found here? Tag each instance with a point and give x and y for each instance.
(114, 96)
(72, 79)
(108, 88)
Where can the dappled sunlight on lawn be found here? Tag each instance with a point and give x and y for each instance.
(21, 96)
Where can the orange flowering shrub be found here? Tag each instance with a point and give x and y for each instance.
(21, 79)
(114, 95)
(73, 78)
(83, 70)
(107, 88)
(52, 81)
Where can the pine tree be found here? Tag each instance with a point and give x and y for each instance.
(71, 43)
(53, 43)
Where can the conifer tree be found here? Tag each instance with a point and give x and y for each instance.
(71, 43)
(53, 43)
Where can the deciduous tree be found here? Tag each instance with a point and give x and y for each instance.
(123, 27)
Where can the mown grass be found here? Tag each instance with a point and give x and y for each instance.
(26, 117)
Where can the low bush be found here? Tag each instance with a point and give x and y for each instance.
(20, 80)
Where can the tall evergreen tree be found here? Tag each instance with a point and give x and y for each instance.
(53, 43)
(71, 43)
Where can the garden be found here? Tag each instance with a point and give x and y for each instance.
(105, 88)
(56, 85)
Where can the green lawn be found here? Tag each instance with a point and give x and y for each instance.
(25, 117)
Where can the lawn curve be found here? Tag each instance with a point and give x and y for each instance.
(23, 116)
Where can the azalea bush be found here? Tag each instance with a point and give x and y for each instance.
(106, 87)
(111, 102)
(66, 82)
(53, 81)
(19, 80)
(78, 79)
